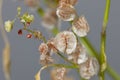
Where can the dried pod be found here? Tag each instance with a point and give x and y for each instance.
(83, 56)
(80, 26)
(65, 42)
(45, 59)
(89, 68)
(43, 48)
(66, 12)
(51, 45)
(71, 2)
(58, 74)
(31, 3)
(50, 19)
(79, 56)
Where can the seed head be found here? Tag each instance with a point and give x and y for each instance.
(80, 26)
(65, 42)
(43, 48)
(66, 12)
(89, 68)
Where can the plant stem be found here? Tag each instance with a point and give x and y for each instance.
(103, 60)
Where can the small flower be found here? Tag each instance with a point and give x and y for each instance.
(50, 19)
(66, 12)
(89, 68)
(27, 18)
(43, 48)
(8, 25)
(65, 42)
(80, 26)
(37, 34)
(71, 2)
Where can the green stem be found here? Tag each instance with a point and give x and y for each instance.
(63, 57)
(103, 60)
(113, 74)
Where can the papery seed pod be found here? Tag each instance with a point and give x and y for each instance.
(89, 68)
(43, 48)
(31, 3)
(65, 42)
(83, 56)
(58, 74)
(45, 59)
(80, 26)
(66, 12)
(79, 56)
(50, 19)
(51, 45)
(71, 2)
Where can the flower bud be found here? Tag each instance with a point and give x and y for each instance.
(66, 12)
(8, 25)
(80, 26)
(27, 18)
(89, 68)
(65, 42)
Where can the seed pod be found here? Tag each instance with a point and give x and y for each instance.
(58, 74)
(82, 57)
(80, 26)
(65, 42)
(71, 2)
(89, 68)
(43, 48)
(79, 56)
(50, 19)
(66, 12)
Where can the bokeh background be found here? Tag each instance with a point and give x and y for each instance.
(24, 52)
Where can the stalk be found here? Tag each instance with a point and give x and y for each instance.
(103, 59)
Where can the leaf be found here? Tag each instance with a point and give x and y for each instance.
(6, 61)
